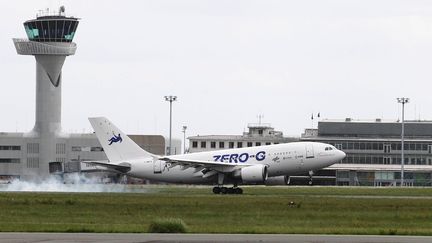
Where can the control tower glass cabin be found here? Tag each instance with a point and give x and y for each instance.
(56, 28)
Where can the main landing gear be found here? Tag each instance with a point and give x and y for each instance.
(227, 190)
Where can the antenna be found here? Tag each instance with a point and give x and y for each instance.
(312, 120)
(62, 10)
(419, 114)
(259, 118)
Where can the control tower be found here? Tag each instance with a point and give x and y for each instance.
(50, 37)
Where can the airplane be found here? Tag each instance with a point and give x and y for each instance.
(269, 164)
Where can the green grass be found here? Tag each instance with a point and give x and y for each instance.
(169, 225)
(320, 210)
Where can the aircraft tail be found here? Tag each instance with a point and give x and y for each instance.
(117, 145)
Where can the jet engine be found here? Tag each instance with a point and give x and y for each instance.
(277, 180)
(254, 174)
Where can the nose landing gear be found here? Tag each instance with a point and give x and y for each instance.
(310, 177)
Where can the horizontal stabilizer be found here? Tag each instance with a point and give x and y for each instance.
(122, 167)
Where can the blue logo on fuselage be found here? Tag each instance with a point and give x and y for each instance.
(115, 139)
(236, 158)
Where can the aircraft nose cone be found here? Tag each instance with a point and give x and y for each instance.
(342, 155)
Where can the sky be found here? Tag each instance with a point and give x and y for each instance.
(227, 61)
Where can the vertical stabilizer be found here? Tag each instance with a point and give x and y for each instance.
(117, 145)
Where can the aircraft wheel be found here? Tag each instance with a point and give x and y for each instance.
(216, 190)
(224, 190)
(230, 190)
(238, 190)
(310, 183)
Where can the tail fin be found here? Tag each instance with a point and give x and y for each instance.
(117, 145)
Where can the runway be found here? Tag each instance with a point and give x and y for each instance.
(126, 238)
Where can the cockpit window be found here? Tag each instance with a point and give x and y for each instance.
(328, 148)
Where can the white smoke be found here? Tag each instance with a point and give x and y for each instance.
(73, 183)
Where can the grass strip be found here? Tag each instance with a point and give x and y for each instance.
(306, 210)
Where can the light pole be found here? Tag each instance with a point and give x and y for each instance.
(170, 99)
(403, 101)
(184, 138)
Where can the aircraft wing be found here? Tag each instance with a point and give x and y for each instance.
(203, 164)
(122, 167)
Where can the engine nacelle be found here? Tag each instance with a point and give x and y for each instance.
(277, 180)
(254, 174)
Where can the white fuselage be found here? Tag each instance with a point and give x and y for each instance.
(281, 160)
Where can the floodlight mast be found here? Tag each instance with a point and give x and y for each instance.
(170, 99)
(403, 101)
(184, 138)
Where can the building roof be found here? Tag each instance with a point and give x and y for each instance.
(240, 138)
(367, 139)
(11, 134)
(260, 125)
(380, 167)
(377, 128)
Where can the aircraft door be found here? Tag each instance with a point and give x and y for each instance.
(309, 151)
(157, 166)
(299, 161)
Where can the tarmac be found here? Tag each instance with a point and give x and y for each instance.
(123, 238)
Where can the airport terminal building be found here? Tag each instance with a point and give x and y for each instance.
(258, 134)
(373, 151)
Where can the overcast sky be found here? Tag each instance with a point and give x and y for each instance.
(228, 62)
